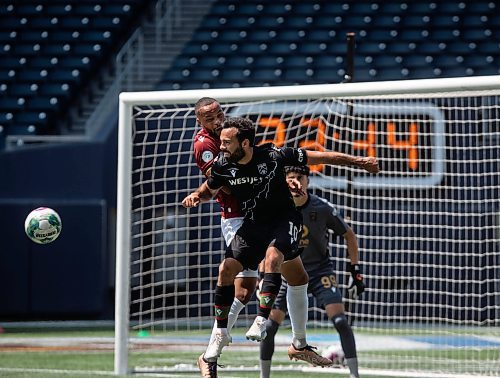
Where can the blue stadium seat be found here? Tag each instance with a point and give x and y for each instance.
(297, 61)
(45, 23)
(16, 129)
(255, 48)
(43, 104)
(442, 35)
(29, 9)
(9, 62)
(31, 118)
(26, 50)
(268, 61)
(306, 40)
(489, 47)
(299, 22)
(420, 7)
(298, 75)
(480, 7)
(58, 9)
(235, 74)
(266, 74)
(44, 62)
(335, 8)
(76, 62)
(12, 104)
(31, 75)
(59, 90)
(386, 61)
(321, 35)
(31, 36)
(451, 7)
(281, 48)
(86, 9)
(306, 8)
(6, 117)
(23, 89)
(277, 8)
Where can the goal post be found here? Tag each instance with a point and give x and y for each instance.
(428, 225)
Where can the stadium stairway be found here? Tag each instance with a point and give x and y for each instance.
(156, 58)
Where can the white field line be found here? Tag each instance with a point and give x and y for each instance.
(72, 373)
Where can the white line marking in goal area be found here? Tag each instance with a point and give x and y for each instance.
(57, 371)
(83, 372)
(397, 373)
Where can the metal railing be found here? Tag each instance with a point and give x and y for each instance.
(129, 62)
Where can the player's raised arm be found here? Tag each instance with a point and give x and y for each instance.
(202, 194)
(369, 164)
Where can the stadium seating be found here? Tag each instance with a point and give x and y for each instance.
(283, 42)
(49, 51)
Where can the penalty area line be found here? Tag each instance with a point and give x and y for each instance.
(82, 372)
(55, 371)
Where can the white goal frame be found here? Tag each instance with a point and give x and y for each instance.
(128, 100)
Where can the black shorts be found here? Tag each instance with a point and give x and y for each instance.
(252, 239)
(322, 285)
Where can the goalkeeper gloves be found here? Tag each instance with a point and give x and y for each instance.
(355, 286)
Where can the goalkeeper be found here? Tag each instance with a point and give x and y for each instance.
(319, 216)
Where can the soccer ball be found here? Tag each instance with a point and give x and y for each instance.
(43, 225)
(335, 354)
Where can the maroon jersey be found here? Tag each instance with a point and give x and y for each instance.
(206, 148)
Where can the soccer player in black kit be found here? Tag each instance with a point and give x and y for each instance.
(272, 225)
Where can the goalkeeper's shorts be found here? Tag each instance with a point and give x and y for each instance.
(322, 285)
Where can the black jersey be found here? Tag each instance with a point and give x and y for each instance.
(319, 216)
(260, 185)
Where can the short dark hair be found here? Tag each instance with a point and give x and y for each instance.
(300, 169)
(204, 101)
(245, 127)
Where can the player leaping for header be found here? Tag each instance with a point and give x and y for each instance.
(206, 147)
(272, 225)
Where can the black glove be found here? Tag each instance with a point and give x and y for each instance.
(355, 286)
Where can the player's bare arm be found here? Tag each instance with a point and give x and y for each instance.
(202, 194)
(352, 246)
(369, 164)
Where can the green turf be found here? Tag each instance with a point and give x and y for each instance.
(55, 363)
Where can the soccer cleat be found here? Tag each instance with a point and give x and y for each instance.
(257, 331)
(214, 349)
(207, 369)
(308, 354)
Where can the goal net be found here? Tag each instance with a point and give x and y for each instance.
(427, 225)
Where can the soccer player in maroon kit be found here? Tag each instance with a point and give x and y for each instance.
(206, 145)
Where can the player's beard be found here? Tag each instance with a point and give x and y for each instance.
(236, 156)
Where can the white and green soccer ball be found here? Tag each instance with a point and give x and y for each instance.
(43, 225)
